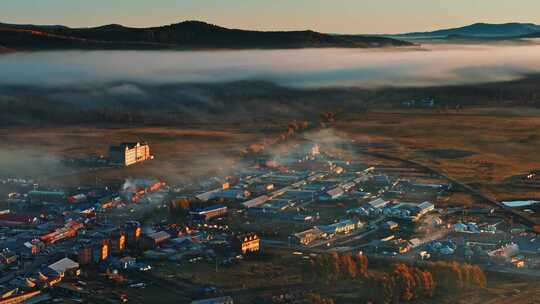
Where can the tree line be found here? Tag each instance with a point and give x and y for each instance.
(402, 282)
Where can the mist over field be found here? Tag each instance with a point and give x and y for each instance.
(423, 66)
(171, 87)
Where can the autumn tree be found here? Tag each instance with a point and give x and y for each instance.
(362, 262)
(453, 275)
(333, 266)
(315, 298)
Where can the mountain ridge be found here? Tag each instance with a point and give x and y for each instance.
(479, 29)
(191, 34)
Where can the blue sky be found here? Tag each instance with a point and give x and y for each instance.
(345, 16)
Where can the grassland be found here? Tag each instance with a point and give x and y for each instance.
(181, 154)
(489, 148)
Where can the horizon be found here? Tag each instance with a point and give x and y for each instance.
(262, 30)
(344, 16)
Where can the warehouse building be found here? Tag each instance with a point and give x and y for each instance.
(210, 212)
(307, 237)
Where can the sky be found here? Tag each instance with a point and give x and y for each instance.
(331, 16)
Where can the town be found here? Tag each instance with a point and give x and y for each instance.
(108, 242)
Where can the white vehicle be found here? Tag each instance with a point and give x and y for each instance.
(138, 285)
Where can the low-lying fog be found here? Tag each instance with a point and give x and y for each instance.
(428, 65)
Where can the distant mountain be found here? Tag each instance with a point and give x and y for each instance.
(184, 35)
(479, 30)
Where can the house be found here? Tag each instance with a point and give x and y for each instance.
(133, 232)
(409, 211)
(391, 225)
(65, 266)
(154, 239)
(505, 252)
(307, 237)
(117, 239)
(256, 201)
(348, 186)
(100, 251)
(425, 208)
(16, 220)
(332, 194)
(415, 242)
(8, 257)
(31, 248)
(83, 254)
(127, 262)
(394, 245)
(378, 203)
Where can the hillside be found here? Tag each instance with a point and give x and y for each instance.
(184, 35)
(486, 30)
(238, 102)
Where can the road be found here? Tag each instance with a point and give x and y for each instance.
(528, 221)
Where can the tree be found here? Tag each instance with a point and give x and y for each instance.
(333, 266)
(363, 263)
(315, 298)
(349, 266)
(453, 275)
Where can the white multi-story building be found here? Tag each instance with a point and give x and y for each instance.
(129, 153)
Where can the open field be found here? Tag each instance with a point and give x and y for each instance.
(181, 154)
(486, 148)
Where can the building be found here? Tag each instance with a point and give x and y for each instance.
(127, 154)
(19, 297)
(409, 211)
(126, 262)
(38, 196)
(230, 195)
(65, 266)
(341, 227)
(307, 237)
(8, 257)
(210, 212)
(247, 243)
(101, 251)
(31, 248)
(394, 245)
(83, 255)
(332, 194)
(377, 203)
(425, 208)
(117, 239)
(370, 209)
(391, 225)
(16, 220)
(505, 252)
(133, 232)
(153, 240)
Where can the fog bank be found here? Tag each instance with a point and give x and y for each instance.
(426, 66)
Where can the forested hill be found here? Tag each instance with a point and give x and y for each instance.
(183, 35)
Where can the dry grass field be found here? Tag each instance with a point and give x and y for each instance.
(181, 154)
(486, 148)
